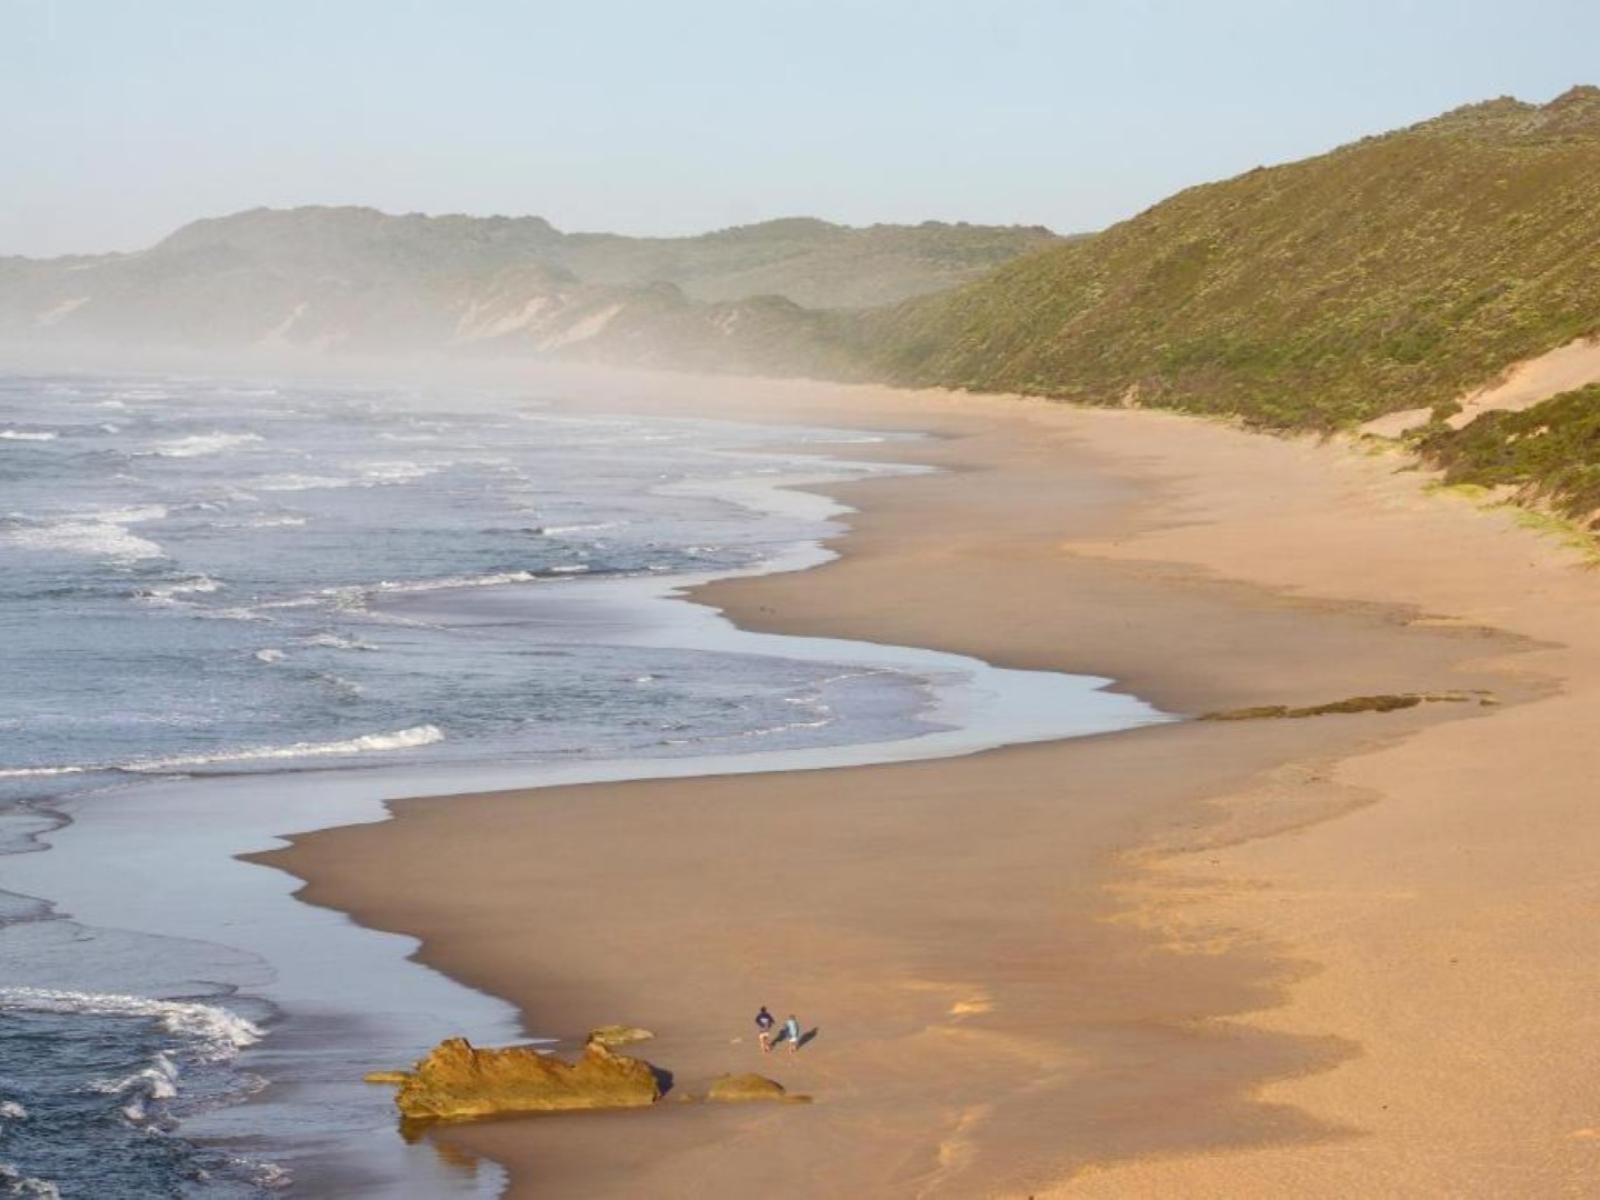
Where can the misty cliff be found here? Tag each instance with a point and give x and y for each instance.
(357, 279)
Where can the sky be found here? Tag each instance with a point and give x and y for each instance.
(120, 121)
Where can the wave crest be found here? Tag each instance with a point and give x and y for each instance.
(216, 1033)
(200, 444)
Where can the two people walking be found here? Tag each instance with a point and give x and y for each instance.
(791, 1031)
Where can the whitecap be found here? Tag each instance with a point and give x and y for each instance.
(136, 515)
(402, 739)
(456, 581)
(333, 641)
(408, 437)
(23, 435)
(18, 1184)
(200, 444)
(236, 613)
(269, 655)
(84, 537)
(299, 483)
(12, 1110)
(40, 772)
(216, 1033)
(270, 1176)
(274, 522)
(590, 527)
(396, 472)
(157, 1082)
(168, 593)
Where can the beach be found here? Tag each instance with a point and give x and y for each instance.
(1329, 955)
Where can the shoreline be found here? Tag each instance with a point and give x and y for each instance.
(383, 1009)
(1009, 991)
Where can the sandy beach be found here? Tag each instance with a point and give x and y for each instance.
(1348, 954)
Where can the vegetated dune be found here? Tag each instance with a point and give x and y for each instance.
(1547, 454)
(1397, 272)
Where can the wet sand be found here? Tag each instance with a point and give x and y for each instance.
(1339, 955)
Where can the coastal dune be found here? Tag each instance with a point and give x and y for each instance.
(1342, 954)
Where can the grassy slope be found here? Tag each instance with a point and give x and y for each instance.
(1392, 273)
(813, 263)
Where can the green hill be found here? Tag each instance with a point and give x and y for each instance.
(363, 280)
(1392, 273)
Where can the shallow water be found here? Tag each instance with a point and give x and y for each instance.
(238, 611)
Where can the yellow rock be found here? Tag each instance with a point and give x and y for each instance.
(619, 1035)
(458, 1080)
(741, 1089)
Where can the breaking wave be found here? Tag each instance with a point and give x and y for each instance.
(215, 1033)
(18, 1184)
(169, 593)
(94, 537)
(367, 743)
(370, 743)
(333, 641)
(199, 444)
(299, 483)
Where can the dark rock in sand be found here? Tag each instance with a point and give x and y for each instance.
(1355, 704)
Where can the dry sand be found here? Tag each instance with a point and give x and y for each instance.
(1341, 956)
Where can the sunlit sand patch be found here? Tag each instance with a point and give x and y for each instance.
(971, 1007)
(970, 998)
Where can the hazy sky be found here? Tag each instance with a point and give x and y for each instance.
(121, 121)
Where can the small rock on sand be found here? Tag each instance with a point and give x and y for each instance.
(741, 1089)
(619, 1035)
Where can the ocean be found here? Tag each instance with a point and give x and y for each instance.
(231, 609)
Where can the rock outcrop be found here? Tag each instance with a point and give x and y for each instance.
(1355, 704)
(458, 1080)
(619, 1035)
(742, 1089)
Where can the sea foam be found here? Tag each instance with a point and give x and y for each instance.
(367, 743)
(18, 1184)
(200, 444)
(84, 537)
(299, 483)
(402, 739)
(213, 1033)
